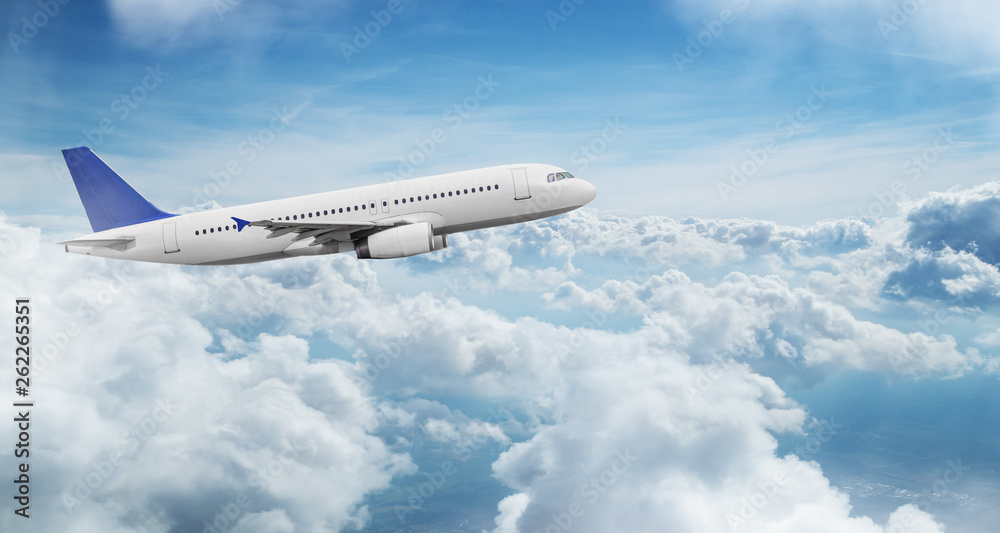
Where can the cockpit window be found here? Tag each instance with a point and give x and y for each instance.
(558, 176)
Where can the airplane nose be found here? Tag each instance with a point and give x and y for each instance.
(589, 192)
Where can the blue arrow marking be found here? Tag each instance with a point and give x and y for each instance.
(240, 223)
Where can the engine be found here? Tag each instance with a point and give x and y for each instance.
(402, 241)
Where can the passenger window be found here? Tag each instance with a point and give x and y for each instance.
(449, 193)
(396, 201)
(480, 189)
(310, 215)
(404, 200)
(385, 203)
(295, 217)
(212, 230)
(356, 208)
(348, 209)
(324, 212)
(373, 205)
(496, 187)
(488, 187)
(196, 232)
(466, 191)
(411, 199)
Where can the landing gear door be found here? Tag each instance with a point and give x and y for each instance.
(520, 177)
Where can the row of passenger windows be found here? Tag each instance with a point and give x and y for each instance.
(385, 203)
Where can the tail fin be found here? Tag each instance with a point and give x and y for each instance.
(109, 200)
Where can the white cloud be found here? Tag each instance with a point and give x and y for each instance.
(961, 29)
(681, 390)
(187, 22)
(661, 454)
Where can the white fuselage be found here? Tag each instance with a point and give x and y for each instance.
(451, 203)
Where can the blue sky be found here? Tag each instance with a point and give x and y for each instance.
(789, 278)
(682, 129)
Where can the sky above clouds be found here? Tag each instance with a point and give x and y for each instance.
(779, 314)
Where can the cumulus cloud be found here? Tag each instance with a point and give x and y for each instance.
(953, 240)
(752, 316)
(302, 384)
(960, 219)
(666, 454)
(155, 432)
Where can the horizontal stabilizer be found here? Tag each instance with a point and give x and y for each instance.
(120, 243)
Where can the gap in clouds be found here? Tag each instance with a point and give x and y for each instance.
(899, 437)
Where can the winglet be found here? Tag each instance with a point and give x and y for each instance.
(240, 223)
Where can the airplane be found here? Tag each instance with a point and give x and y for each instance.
(382, 221)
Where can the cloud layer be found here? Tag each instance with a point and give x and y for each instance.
(653, 404)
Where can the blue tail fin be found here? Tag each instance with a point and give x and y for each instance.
(110, 201)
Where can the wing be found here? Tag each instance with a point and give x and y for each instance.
(320, 232)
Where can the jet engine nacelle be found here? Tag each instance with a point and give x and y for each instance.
(402, 241)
